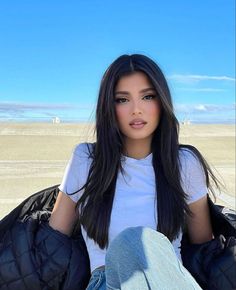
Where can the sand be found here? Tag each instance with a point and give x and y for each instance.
(33, 156)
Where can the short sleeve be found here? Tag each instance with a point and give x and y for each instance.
(193, 179)
(76, 172)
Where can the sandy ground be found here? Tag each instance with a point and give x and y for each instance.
(33, 156)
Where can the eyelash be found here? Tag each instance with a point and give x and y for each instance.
(123, 100)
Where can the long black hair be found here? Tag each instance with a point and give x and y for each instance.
(96, 201)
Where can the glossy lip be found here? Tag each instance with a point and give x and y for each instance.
(137, 122)
(137, 126)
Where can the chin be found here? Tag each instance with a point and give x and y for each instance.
(139, 137)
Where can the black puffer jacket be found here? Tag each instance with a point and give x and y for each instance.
(33, 256)
(36, 257)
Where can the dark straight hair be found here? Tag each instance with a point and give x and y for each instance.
(96, 201)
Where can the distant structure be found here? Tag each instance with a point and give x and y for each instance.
(56, 120)
(186, 122)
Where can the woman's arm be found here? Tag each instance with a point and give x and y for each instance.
(199, 225)
(63, 216)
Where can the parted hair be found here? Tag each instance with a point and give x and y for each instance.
(96, 202)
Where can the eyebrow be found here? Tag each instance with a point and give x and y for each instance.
(127, 93)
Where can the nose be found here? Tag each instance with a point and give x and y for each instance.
(136, 108)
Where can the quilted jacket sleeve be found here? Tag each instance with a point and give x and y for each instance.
(34, 256)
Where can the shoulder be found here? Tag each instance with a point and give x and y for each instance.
(81, 157)
(83, 150)
(192, 173)
(191, 161)
(77, 169)
(187, 152)
(189, 157)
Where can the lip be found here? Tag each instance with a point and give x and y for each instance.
(137, 122)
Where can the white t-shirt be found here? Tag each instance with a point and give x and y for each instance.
(134, 200)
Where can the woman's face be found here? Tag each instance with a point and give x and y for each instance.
(137, 107)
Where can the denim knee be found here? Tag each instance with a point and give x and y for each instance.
(132, 238)
(123, 243)
(142, 258)
(125, 237)
(136, 234)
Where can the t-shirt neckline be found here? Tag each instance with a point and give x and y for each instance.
(145, 160)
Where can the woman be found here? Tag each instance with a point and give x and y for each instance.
(136, 188)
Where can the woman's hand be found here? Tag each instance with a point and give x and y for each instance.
(199, 225)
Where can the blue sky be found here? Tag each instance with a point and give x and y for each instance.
(54, 53)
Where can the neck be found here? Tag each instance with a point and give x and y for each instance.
(137, 149)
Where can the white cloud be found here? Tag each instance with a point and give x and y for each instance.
(201, 108)
(196, 78)
(206, 113)
(201, 90)
(15, 106)
(42, 110)
(190, 108)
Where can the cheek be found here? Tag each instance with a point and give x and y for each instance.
(155, 111)
(120, 114)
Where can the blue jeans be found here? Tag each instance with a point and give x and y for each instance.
(141, 258)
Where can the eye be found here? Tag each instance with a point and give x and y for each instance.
(121, 100)
(149, 97)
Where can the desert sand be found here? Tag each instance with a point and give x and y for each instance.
(33, 156)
